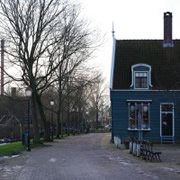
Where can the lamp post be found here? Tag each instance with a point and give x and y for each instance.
(28, 92)
(52, 104)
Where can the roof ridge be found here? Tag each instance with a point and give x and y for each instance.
(144, 39)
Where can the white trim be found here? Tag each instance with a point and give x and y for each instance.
(140, 64)
(172, 118)
(159, 90)
(138, 100)
(148, 75)
(160, 122)
(149, 115)
(134, 72)
(136, 129)
(136, 118)
(112, 63)
(150, 78)
(128, 114)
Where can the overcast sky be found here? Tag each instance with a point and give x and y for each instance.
(133, 19)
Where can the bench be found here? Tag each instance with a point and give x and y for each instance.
(148, 153)
(144, 149)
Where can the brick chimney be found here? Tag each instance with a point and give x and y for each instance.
(168, 42)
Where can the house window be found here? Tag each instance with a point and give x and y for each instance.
(141, 80)
(141, 76)
(139, 115)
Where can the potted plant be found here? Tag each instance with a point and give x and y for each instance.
(126, 144)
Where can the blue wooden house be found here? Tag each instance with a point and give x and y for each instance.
(145, 87)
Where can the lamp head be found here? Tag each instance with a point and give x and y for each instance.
(52, 102)
(28, 92)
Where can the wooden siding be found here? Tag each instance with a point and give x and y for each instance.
(120, 112)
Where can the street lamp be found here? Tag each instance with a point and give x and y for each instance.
(28, 93)
(52, 104)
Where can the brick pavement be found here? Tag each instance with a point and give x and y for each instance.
(86, 157)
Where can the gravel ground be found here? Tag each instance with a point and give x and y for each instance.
(168, 168)
(89, 157)
(10, 167)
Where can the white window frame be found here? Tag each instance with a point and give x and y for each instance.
(166, 103)
(149, 118)
(148, 75)
(135, 79)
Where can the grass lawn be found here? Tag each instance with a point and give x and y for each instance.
(12, 148)
(99, 131)
(17, 147)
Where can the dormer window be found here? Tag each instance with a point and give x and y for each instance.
(141, 80)
(141, 76)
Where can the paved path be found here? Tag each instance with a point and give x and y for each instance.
(87, 157)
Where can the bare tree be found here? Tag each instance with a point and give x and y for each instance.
(73, 93)
(97, 99)
(77, 47)
(82, 91)
(41, 36)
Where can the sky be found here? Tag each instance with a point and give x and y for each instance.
(132, 19)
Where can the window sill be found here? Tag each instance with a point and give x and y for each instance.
(129, 129)
(141, 88)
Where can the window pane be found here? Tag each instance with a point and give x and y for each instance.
(139, 119)
(167, 107)
(167, 124)
(138, 82)
(132, 116)
(145, 123)
(144, 82)
(141, 82)
(139, 116)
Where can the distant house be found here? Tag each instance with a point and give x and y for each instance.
(12, 116)
(145, 87)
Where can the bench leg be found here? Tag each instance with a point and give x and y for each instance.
(158, 157)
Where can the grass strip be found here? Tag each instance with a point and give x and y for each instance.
(11, 149)
(18, 147)
(99, 131)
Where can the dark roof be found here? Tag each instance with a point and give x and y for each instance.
(165, 62)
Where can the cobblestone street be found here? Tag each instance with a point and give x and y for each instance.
(84, 157)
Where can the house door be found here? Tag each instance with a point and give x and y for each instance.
(167, 119)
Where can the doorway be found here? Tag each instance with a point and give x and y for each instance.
(167, 120)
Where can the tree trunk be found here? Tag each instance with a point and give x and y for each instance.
(68, 120)
(79, 119)
(58, 127)
(62, 123)
(43, 118)
(97, 119)
(35, 120)
(58, 132)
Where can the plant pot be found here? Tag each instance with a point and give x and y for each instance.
(126, 144)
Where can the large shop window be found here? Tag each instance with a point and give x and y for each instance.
(139, 115)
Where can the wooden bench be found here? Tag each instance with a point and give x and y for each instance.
(155, 155)
(148, 153)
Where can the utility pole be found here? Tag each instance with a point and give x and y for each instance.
(2, 66)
